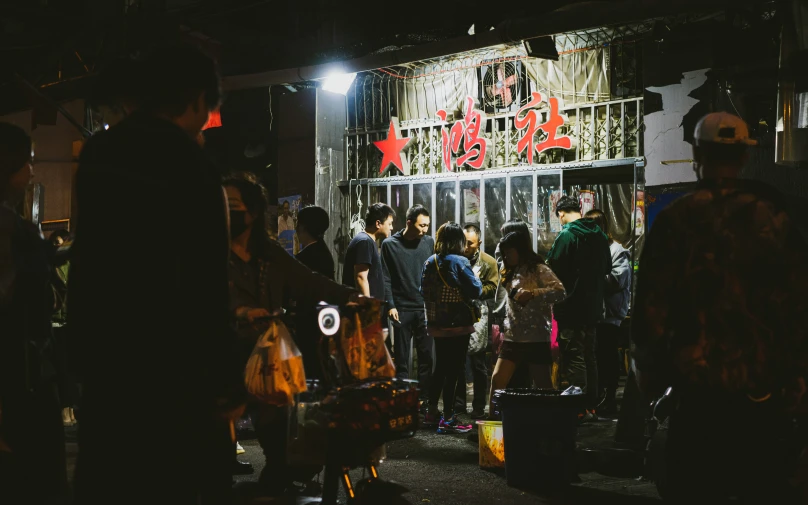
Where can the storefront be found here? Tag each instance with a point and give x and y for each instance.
(495, 134)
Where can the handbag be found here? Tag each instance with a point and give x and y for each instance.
(452, 293)
(479, 339)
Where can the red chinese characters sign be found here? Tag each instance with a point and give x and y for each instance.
(527, 119)
(467, 133)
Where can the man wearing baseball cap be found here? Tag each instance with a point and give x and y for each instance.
(721, 317)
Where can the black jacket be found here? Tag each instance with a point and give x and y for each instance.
(402, 265)
(149, 275)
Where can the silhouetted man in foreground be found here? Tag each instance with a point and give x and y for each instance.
(721, 317)
(152, 313)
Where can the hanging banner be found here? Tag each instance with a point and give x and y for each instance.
(288, 208)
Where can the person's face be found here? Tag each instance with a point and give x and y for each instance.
(472, 243)
(285, 209)
(510, 257)
(385, 228)
(236, 204)
(19, 182)
(421, 225)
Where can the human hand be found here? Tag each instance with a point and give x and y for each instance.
(393, 313)
(523, 296)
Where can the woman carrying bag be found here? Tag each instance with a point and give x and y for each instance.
(449, 286)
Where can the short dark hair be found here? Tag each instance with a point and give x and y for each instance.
(567, 204)
(473, 227)
(314, 219)
(599, 218)
(285, 202)
(378, 212)
(450, 239)
(176, 75)
(15, 151)
(415, 211)
(120, 81)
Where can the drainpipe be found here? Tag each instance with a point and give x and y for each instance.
(791, 137)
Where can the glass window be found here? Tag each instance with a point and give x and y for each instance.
(548, 189)
(522, 199)
(470, 202)
(378, 194)
(400, 202)
(422, 194)
(445, 203)
(494, 212)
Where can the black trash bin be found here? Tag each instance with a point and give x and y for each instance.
(539, 427)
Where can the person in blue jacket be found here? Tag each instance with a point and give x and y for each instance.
(449, 285)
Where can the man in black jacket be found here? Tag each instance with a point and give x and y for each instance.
(152, 314)
(403, 257)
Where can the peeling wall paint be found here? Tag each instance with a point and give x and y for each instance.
(665, 130)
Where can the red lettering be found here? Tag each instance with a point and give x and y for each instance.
(529, 122)
(467, 131)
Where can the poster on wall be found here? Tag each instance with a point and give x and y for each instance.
(587, 199)
(639, 214)
(288, 207)
(555, 223)
(471, 206)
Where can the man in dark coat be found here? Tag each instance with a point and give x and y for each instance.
(152, 311)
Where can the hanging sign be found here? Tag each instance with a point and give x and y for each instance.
(467, 133)
(393, 148)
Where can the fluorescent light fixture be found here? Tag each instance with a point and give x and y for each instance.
(339, 83)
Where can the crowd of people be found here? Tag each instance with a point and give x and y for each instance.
(162, 323)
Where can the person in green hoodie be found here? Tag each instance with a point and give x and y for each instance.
(580, 258)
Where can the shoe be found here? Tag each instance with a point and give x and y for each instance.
(239, 449)
(588, 416)
(478, 414)
(453, 426)
(66, 420)
(242, 468)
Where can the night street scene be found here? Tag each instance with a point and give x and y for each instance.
(442, 253)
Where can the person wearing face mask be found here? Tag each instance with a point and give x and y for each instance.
(32, 450)
(263, 279)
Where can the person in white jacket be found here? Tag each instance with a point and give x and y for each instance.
(616, 302)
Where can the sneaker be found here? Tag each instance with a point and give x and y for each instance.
(453, 426)
(239, 449)
(478, 414)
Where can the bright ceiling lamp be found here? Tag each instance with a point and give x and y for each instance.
(339, 83)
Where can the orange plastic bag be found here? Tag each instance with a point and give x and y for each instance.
(274, 373)
(363, 346)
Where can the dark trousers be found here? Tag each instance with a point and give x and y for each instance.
(476, 366)
(578, 365)
(35, 471)
(124, 460)
(411, 330)
(608, 360)
(450, 362)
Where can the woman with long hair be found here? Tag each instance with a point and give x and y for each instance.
(449, 285)
(532, 288)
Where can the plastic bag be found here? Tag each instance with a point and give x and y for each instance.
(479, 339)
(274, 372)
(362, 344)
